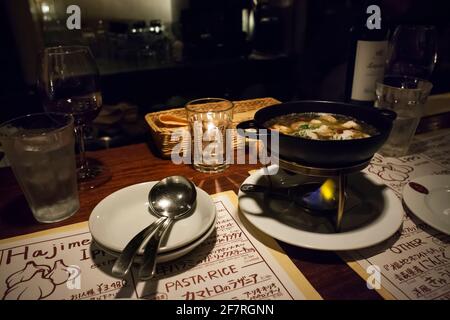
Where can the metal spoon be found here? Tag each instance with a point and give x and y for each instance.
(123, 263)
(171, 199)
(125, 260)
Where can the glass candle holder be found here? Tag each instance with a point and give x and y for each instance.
(209, 120)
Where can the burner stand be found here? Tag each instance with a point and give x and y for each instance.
(340, 172)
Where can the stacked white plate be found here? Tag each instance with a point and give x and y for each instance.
(121, 215)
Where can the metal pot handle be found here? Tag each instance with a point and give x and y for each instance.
(245, 125)
(391, 115)
(243, 129)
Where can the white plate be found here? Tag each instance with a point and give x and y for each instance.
(373, 213)
(432, 204)
(121, 215)
(171, 255)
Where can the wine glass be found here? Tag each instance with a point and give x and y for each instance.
(68, 82)
(412, 51)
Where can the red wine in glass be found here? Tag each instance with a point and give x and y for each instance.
(69, 83)
(76, 95)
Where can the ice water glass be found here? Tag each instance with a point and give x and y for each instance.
(407, 97)
(209, 119)
(41, 151)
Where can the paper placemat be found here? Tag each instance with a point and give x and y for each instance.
(64, 263)
(415, 262)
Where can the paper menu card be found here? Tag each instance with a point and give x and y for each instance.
(64, 263)
(415, 262)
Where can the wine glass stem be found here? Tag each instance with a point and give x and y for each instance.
(79, 134)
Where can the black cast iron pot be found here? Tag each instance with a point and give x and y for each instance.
(326, 153)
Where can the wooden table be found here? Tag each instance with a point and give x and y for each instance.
(331, 277)
(132, 164)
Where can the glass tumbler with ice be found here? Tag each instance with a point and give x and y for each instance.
(41, 151)
(407, 97)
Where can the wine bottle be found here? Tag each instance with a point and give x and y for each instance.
(367, 53)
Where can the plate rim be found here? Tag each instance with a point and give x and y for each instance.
(407, 192)
(341, 237)
(172, 254)
(91, 219)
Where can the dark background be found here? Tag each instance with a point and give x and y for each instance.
(299, 52)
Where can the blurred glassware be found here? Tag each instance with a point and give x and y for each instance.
(2, 154)
(412, 51)
(160, 42)
(407, 97)
(268, 28)
(40, 148)
(209, 119)
(68, 82)
(138, 42)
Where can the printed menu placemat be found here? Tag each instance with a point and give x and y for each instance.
(65, 263)
(415, 262)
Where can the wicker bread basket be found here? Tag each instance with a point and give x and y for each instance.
(163, 123)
